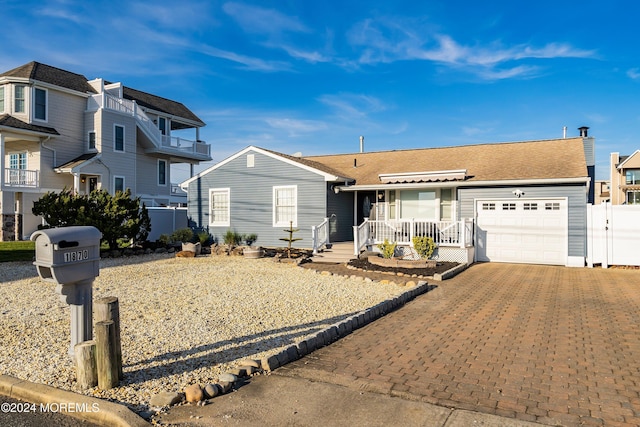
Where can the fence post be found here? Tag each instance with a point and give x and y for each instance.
(108, 309)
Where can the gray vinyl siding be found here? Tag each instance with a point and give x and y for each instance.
(340, 214)
(120, 163)
(576, 204)
(147, 177)
(251, 198)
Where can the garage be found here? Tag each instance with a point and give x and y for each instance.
(532, 231)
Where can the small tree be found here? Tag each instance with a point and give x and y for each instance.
(116, 217)
(290, 239)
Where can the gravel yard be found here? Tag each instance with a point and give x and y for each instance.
(183, 320)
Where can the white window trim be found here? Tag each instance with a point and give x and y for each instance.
(124, 138)
(24, 99)
(124, 183)
(4, 98)
(295, 211)
(220, 223)
(166, 173)
(46, 105)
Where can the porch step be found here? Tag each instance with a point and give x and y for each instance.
(339, 253)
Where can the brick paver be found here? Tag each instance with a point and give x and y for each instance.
(555, 345)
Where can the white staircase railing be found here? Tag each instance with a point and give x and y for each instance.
(443, 233)
(320, 235)
(130, 108)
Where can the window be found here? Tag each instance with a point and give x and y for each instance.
(488, 206)
(251, 160)
(530, 206)
(508, 206)
(40, 106)
(1, 99)
(19, 99)
(552, 206)
(92, 140)
(162, 125)
(632, 176)
(162, 172)
(219, 207)
(118, 184)
(446, 204)
(17, 168)
(285, 206)
(118, 138)
(633, 197)
(418, 204)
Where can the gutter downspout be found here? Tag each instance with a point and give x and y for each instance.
(50, 149)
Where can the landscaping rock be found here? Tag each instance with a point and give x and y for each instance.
(185, 254)
(211, 391)
(193, 393)
(225, 386)
(166, 398)
(250, 362)
(229, 378)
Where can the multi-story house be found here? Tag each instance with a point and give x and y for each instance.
(625, 179)
(60, 130)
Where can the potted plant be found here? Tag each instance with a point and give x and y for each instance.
(250, 251)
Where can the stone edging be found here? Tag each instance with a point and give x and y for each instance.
(341, 329)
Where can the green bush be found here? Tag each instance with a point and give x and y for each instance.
(387, 249)
(184, 235)
(164, 239)
(249, 239)
(232, 238)
(424, 246)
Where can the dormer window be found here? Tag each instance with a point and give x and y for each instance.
(40, 105)
(18, 99)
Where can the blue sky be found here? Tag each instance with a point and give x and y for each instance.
(311, 77)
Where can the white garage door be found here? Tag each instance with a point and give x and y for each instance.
(522, 231)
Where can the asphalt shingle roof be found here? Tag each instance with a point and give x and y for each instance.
(546, 159)
(11, 122)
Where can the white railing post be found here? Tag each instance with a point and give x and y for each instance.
(356, 243)
(412, 231)
(462, 233)
(326, 231)
(314, 239)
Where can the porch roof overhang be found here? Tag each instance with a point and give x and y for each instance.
(455, 184)
(75, 166)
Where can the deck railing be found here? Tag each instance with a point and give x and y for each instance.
(130, 108)
(21, 178)
(402, 232)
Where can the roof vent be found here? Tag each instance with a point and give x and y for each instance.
(584, 131)
(361, 144)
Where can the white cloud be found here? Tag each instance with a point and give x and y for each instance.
(386, 41)
(350, 106)
(295, 127)
(634, 73)
(259, 20)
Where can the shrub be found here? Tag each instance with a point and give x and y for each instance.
(387, 249)
(164, 239)
(232, 238)
(249, 239)
(182, 235)
(424, 246)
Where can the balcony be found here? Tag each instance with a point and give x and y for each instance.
(197, 150)
(21, 178)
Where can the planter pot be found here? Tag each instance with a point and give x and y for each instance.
(401, 263)
(253, 253)
(192, 247)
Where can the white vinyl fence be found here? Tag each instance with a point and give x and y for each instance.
(166, 220)
(613, 235)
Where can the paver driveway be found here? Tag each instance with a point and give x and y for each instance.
(548, 344)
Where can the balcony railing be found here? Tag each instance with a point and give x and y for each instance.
(443, 233)
(21, 178)
(130, 108)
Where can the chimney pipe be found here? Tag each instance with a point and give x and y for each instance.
(584, 131)
(564, 132)
(361, 144)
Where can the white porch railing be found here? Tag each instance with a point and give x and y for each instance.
(443, 233)
(21, 178)
(130, 108)
(320, 235)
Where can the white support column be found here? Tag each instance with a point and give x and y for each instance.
(76, 183)
(2, 171)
